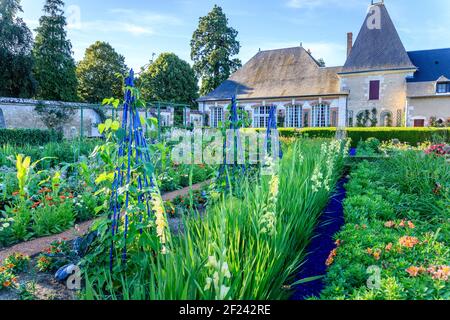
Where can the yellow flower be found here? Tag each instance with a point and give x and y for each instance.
(274, 183)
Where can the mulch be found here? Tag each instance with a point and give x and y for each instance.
(322, 245)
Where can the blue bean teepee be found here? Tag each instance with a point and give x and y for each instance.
(133, 171)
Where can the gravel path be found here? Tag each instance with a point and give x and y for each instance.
(34, 247)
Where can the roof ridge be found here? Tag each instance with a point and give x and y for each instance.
(427, 50)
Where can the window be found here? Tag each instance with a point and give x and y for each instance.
(374, 90)
(294, 117)
(216, 116)
(261, 117)
(321, 116)
(165, 120)
(443, 87)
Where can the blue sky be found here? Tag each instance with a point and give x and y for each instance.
(139, 28)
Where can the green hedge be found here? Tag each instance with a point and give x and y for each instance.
(413, 136)
(35, 137)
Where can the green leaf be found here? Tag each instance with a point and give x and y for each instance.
(101, 128)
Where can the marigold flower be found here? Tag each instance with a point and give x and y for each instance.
(408, 242)
(331, 257)
(7, 284)
(389, 224)
(369, 251)
(377, 255)
(402, 223)
(389, 247)
(411, 225)
(413, 271)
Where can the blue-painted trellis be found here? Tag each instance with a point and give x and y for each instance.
(232, 147)
(133, 176)
(272, 143)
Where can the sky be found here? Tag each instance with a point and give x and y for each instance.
(138, 29)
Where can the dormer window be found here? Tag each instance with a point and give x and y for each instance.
(443, 87)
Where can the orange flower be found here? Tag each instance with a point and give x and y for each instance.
(402, 224)
(331, 257)
(389, 224)
(7, 284)
(389, 247)
(413, 271)
(16, 193)
(442, 273)
(370, 251)
(49, 198)
(339, 242)
(377, 255)
(408, 242)
(62, 197)
(411, 225)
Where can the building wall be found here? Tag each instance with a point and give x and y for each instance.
(428, 107)
(393, 90)
(337, 103)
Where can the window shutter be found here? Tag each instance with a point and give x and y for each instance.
(374, 92)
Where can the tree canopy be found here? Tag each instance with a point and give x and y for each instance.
(16, 60)
(54, 65)
(169, 78)
(213, 47)
(100, 73)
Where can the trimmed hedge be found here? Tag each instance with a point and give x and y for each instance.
(413, 136)
(34, 137)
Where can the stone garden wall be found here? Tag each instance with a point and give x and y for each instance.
(21, 114)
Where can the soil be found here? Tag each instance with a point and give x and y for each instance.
(41, 286)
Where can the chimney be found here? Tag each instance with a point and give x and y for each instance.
(349, 43)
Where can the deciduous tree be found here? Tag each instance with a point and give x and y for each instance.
(100, 73)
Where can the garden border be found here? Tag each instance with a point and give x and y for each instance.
(36, 246)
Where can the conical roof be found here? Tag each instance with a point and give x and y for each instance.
(378, 46)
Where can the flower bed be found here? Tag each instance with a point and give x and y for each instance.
(395, 242)
(248, 245)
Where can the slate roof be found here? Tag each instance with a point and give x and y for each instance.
(431, 64)
(378, 49)
(290, 72)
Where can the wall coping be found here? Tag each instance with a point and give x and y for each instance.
(20, 101)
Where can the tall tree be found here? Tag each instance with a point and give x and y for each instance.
(213, 47)
(169, 78)
(16, 60)
(54, 65)
(99, 73)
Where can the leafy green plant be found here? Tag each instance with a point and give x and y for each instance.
(247, 247)
(397, 221)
